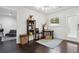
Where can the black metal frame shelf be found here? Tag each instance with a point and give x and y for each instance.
(32, 24)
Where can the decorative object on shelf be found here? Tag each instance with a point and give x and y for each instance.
(30, 17)
(55, 20)
(30, 33)
(45, 26)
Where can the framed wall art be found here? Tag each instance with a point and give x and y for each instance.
(54, 20)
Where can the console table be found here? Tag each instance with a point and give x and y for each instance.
(49, 31)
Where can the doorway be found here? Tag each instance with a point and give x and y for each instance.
(8, 24)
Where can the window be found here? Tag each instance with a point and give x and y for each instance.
(55, 20)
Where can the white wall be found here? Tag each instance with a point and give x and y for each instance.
(61, 31)
(8, 22)
(22, 15)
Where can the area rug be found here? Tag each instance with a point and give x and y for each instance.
(51, 43)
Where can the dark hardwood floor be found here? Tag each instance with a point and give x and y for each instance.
(33, 47)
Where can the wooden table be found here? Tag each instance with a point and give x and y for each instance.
(49, 31)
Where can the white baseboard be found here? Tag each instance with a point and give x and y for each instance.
(8, 38)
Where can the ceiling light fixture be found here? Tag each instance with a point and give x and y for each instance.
(46, 8)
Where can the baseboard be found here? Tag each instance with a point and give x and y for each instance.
(8, 40)
(71, 41)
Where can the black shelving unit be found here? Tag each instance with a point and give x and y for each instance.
(31, 27)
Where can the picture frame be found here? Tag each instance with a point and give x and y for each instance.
(55, 20)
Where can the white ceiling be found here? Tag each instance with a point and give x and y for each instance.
(7, 11)
(49, 11)
(11, 10)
